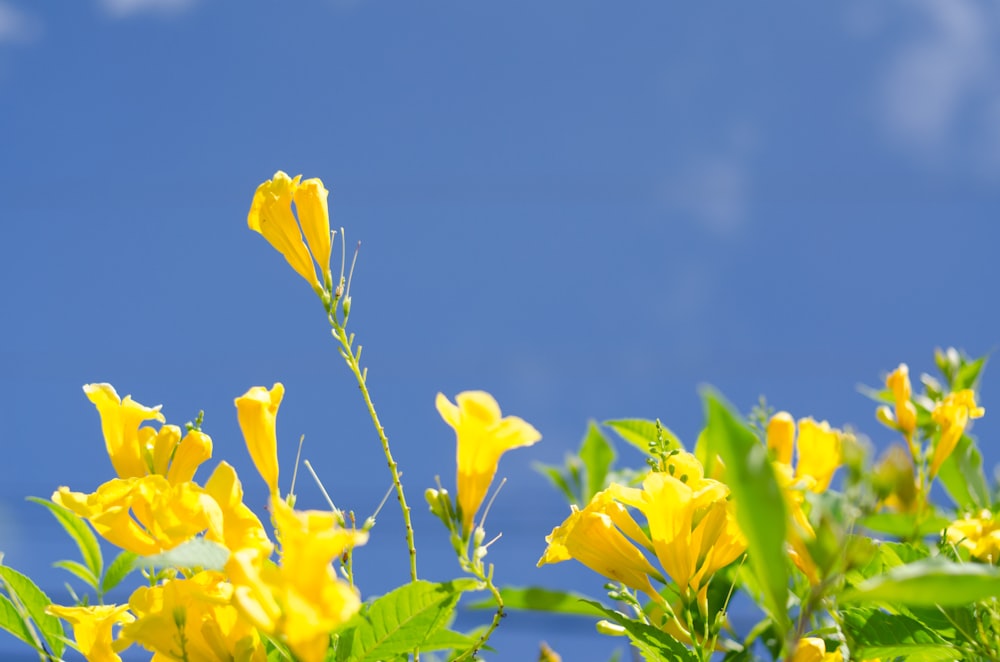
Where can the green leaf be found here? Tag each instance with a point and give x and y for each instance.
(402, 620)
(874, 633)
(533, 598)
(11, 621)
(195, 554)
(968, 374)
(79, 530)
(760, 505)
(597, 456)
(448, 640)
(653, 643)
(556, 478)
(934, 581)
(962, 476)
(640, 432)
(80, 570)
(24, 591)
(123, 564)
(904, 525)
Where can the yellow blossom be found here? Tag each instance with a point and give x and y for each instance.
(141, 451)
(980, 535)
(952, 415)
(483, 436)
(93, 629)
(145, 515)
(192, 620)
(241, 528)
(818, 447)
(904, 418)
(271, 215)
(813, 649)
(257, 411)
(301, 600)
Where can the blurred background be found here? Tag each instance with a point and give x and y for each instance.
(586, 208)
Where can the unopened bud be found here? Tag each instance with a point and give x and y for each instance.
(478, 536)
(609, 628)
(440, 503)
(347, 306)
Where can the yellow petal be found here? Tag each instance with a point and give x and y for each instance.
(93, 629)
(271, 216)
(193, 450)
(257, 411)
(314, 216)
(120, 421)
(819, 452)
(781, 436)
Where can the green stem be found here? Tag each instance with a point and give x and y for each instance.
(352, 359)
(497, 617)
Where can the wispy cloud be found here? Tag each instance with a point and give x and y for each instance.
(940, 90)
(17, 27)
(124, 8)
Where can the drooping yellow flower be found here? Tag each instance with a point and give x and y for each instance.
(904, 418)
(813, 649)
(257, 410)
(595, 536)
(818, 447)
(145, 515)
(241, 528)
(192, 620)
(301, 600)
(93, 629)
(483, 436)
(952, 415)
(980, 535)
(141, 451)
(271, 215)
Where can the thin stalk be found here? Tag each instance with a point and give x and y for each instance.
(497, 617)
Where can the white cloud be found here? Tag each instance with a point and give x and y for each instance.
(123, 8)
(17, 27)
(940, 90)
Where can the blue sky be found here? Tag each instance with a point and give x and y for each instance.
(586, 208)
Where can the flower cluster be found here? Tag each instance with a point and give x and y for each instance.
(155, 505)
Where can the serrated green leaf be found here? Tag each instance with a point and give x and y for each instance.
(640, 432)
(874, 633)
(597, 456)
(755, 492)
(11, 621)
(934, 581)
(653, 643)
(554, 474)
(78, 569)
(403, 619)
(904, 525)
(79, 530)
(20, 588)
(195, 554)
(533, 598)
(961, 474)
(119, 568)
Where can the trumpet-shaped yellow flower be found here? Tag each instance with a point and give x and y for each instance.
(257, 411)
(271, 215)
(93, 629)
(818, 448)
(483, 436)
(980, 535)
(904, 416)
(141, 451)
(145, 515)
(301, 600)
(595, 536)
(952, 415)
(241, 528)
(192, 620)
(813, 649)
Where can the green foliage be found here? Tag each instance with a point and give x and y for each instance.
(651, 642)
(195, 554)
(534, 598)
(873, 633)
(929, 582)
(22, 613)
(79, 530)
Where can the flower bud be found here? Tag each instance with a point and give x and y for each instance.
(610, 629)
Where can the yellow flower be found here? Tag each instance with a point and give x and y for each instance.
(905, 417)
(483, 436)
(302, 600)
(952, 414)
(92, 629)
(980, 535)
(595, 537)
(271, 215)
(192, 620)
(257, 410)
(813, 649)
(145, 515)
(818, 449)
(141, 451)
(241, 528)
